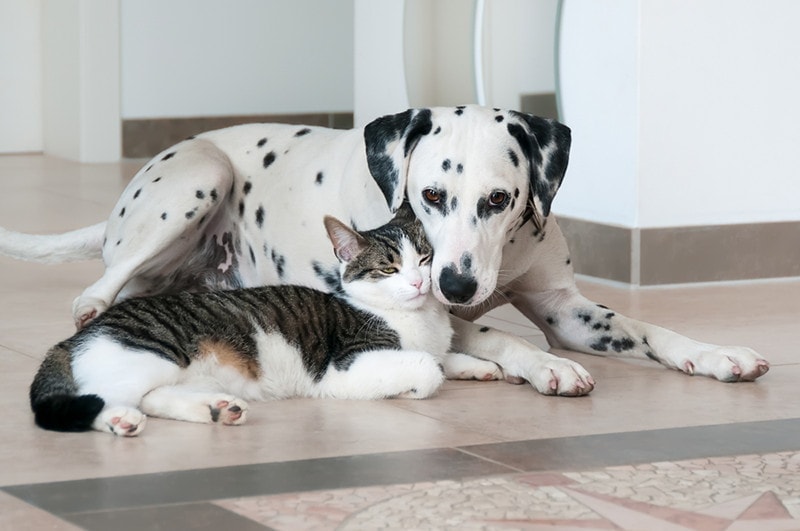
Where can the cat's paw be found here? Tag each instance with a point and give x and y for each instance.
(228, 410)
(458, 366)
(120, 420)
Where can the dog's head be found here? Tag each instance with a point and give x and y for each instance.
(473, 175)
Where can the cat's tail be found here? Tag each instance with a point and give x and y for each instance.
(81, 244)
(54, 399)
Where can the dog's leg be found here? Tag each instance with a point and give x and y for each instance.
(159, 220)
(571, 321)
(521, 361)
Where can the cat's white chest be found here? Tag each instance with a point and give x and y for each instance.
(426, 329)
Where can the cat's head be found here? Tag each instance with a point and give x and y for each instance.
(388, 267)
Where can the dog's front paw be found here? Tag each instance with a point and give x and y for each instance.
(458, 366)
(728, 364)
(557, 376)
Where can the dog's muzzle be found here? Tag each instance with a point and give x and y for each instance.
(455, 287)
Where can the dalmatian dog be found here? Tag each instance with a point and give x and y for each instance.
(243, 206)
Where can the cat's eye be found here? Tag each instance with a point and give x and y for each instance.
(432, 195)
(497, 199)
(389, 270)
(426, 259)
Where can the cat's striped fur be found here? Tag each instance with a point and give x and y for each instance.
(197, 356)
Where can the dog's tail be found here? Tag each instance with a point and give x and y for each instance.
(80, 244)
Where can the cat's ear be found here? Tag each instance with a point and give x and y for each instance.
(347, 243)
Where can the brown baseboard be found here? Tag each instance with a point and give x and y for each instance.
(143, 138)
(677, 255)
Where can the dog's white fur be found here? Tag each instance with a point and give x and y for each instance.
(244, 206)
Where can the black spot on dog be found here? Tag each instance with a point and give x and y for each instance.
(148, 168)
(164, 215)
(474, 221)
(498, 119)
(466, 262)
(190, 214)
(585, 317)
(168, 155)
(280, 262)
(437, 131)
(213, 194)
(453, 204)
(446, 165)
(602, 344)
(261, 142)
(303, 132)
(122, 212)
(241, 208)
(603, 307)
(514, 157)
(622, 344)
(190, 138)
(200, 194)
(269, 158)
(516, 193)
(484, 329)
(247, 187)
(597, 326)
(650, 354)
(460, 168)
(119, 242)
(550, 320)
(610, 315)
(644, 341)
(202, 220)
(156, 179)
(426, 209)
(569, 261)
(459, 110)
(136, 193)
(252, 254)
(329, 276)
(319, 178)
(260, 216)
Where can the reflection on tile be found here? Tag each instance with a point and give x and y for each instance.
(195, 516)
(16, 514)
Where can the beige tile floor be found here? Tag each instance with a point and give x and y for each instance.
(42, 194)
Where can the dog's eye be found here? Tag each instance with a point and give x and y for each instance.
(497, 199)
(432, 196)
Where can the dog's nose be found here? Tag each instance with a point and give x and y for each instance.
(457, 288)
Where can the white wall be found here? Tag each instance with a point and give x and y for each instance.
(20, 76)
(209, 58)
(599, 94)
(683, 112)
(719, 112)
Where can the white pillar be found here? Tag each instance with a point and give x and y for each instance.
(81, 87)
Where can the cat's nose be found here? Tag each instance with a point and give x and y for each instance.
(417, 283)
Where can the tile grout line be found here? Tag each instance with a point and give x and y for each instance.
(512, 469)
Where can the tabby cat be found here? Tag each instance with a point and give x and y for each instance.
(197, 356)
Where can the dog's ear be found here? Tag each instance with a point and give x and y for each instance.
(389, 142)
(545, 143)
